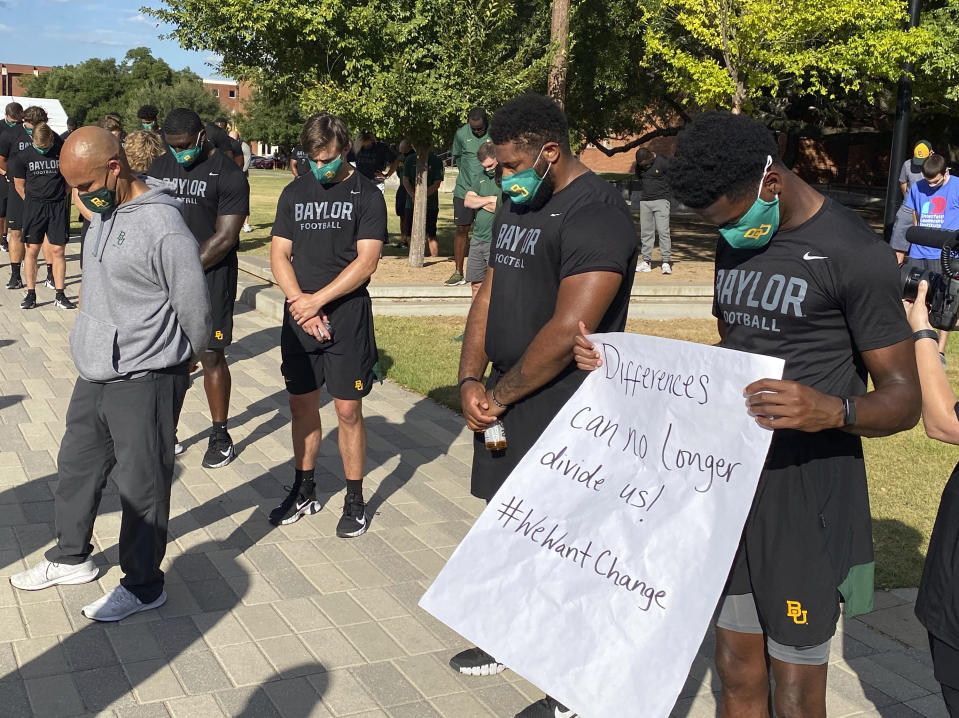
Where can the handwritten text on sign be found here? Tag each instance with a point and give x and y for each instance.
(595, 569)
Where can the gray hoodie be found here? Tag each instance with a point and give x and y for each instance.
(145, 304)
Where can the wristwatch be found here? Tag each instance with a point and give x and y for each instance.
(848, 411)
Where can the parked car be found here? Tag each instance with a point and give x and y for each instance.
(261, 163)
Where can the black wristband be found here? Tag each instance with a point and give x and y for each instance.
(926, 334)
(493, 397)
(468, 378)
(848, 411)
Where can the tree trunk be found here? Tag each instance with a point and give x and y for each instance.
(418, 232)
(559, 38)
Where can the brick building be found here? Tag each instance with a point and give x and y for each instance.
(10, 74)
(231, 94)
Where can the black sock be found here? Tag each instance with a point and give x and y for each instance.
(354, 487)
(219, 427)
(304, 475)
(61, 294)
(14, 269)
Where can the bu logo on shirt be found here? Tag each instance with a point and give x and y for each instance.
(218, 334)
(757, 232)
(795, 611)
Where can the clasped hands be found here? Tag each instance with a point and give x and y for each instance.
(308, 313)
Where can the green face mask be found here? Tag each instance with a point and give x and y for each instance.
(755, 228)
(9, 123)
(42, 150)
(148, 125)
(491, 173)
(522, 186)
(327, 172)
(28, 130)
(190, 155)
(99, 201)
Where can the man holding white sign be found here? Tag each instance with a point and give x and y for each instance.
(801, 278)
(563, 248)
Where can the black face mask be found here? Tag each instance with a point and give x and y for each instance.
(480, 132)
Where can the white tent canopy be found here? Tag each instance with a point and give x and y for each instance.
(55, 112)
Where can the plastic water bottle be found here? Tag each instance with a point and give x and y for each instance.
(495, 436)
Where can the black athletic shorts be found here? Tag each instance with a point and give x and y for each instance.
(4, 192)
(14, 209)
(45, 219)
(399, 204)
(807, 543)
(463, 216)
(221, 283)
(432, 215)
(348, 364)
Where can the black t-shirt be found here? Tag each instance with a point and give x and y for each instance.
(302, 161)
(213, 187)
(14, 140)
(41, 173)
(324, 222)
(221, 140)
(652, 180)
(817, 296)
(584, 228)
(372, 159)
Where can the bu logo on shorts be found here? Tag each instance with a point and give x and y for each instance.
(757, 232)
(218, 334)
(795, 612)
(358, 384)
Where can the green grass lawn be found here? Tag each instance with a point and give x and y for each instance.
(265, 188)
(906, 472)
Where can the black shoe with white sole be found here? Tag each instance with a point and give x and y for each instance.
(15, 282)
(476, 662)
(300, 502)
(353, 521)
(220, 451)
(49, 284)
(29, 300)
(61, 302)
(546, 708)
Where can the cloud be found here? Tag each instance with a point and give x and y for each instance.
(106, 38)
(141, 19)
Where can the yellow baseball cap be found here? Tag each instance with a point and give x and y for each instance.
(920, 152)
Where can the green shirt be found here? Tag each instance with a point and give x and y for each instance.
(434, 173)
(483, 224)
(465, 145)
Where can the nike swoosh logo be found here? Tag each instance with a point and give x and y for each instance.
(225, 453)
(556, 214)
(214, 174)
(807, 256)
(354, 191)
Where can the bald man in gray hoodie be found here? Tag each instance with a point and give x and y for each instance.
(144, 317)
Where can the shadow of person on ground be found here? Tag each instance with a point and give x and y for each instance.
(99, 665)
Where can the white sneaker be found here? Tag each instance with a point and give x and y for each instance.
(643, 267)
(46, 574)
(247, 227)
(666, 268)
(118, 604)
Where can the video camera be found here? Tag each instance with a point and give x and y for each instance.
(942, 298)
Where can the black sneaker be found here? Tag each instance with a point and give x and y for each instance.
(61, 302)
(353, 521)
(48, 283)
(4, 247)
(220, 451)
(476, 662)
(546, 708)
(29, 301)
(15, 282)
(301, 502)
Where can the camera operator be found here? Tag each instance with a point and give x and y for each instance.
(937, 605)
(934, 201)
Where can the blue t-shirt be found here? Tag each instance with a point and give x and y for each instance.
(938, 208)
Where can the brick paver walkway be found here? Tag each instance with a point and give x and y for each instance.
(293, 621)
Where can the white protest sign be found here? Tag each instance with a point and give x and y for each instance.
(596, 568)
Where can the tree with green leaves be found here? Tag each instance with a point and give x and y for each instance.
(401, 68)
(272, 116)
(97, 86)
(733, 53)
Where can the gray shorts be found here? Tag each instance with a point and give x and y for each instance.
(477, 262)
(739, 614)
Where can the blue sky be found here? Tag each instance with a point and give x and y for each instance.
(65, 32)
